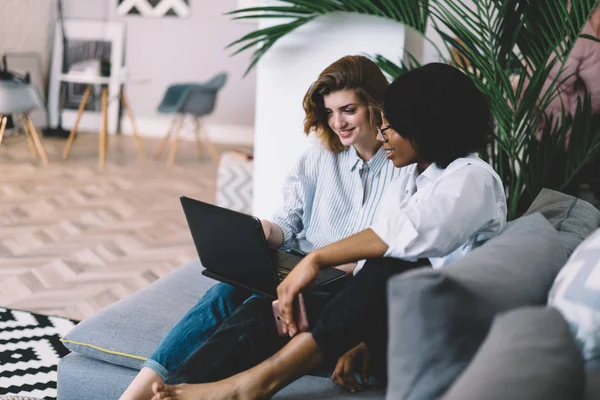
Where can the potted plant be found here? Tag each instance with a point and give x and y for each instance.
(508, 47)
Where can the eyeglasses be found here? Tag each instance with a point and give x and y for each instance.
(381, 131)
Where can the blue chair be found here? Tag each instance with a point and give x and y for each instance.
(21, 98)
(196, 100)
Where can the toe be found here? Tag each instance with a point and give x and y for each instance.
(157, 387)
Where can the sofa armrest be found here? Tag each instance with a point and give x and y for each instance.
(127, 332)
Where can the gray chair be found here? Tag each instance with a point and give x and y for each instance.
(20, 99)
(196, 100)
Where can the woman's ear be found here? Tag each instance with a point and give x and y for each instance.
(414, 145)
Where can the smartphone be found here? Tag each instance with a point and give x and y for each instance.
(299, 315)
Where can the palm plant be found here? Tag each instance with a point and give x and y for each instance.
(493, 37)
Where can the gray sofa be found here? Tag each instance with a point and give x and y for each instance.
(453, 332)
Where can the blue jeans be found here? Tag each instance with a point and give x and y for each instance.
(200, 322)
(340, 319)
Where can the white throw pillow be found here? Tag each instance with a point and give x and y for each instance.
(576, 294)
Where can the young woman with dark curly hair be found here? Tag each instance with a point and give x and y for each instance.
(444, 202)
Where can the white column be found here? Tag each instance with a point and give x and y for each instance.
(284, 75)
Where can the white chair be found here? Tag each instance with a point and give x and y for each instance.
(20, 99)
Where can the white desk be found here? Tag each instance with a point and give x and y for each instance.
(104, 82)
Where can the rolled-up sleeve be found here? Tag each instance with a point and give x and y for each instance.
(434, 226)
(298, 189)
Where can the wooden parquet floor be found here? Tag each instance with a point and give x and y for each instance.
(74, 239)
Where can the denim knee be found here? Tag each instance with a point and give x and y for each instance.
(196, 326)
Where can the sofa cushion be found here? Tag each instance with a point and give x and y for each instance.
(592, 382)
(438, 318)
(574, 218)
(127, 332)
(515, 271)
(576, 294)
(528, 354)
(426, 354)
(515, 268)
(84, 378)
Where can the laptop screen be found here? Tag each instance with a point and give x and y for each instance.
(231, 244)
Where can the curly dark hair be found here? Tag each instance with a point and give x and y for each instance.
(440, 111)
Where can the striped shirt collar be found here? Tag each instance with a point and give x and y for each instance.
(352, 160)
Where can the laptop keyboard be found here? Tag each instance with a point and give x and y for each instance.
(282, 273)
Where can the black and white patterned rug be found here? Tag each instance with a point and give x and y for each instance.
(30, 348)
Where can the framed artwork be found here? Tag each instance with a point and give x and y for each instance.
(154, 8)
(90, 44)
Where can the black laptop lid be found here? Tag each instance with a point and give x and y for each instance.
(230, 244)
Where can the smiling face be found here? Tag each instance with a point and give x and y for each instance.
(398, 149)
(348, 118)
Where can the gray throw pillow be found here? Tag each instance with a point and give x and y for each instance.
(516, 268)
(528, 354)
(439, 318)
(576, 294)
(574, 218)
(435, 328)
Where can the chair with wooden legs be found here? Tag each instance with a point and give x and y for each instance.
(196, 100)
(103, 141)
(17, 98)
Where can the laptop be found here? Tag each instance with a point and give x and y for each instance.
(233, 249)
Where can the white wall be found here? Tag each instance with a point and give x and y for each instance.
(161, 51)
(284, 75)
(25, 27)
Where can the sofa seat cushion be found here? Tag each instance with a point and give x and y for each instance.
(84, 378)
(127, 332)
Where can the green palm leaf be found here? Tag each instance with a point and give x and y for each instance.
(502, 41)
(295, 13)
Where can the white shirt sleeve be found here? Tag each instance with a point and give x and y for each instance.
(459, 205)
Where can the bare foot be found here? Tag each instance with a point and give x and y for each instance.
(141, 387)
(227, 389)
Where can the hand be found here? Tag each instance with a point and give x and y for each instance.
(273, 233)
(347, 268)
(266, 225)
(302, 276)
(343, 374)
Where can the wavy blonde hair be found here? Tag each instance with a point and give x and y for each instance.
(355, 73)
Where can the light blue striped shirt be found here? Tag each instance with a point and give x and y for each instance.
(329, 196)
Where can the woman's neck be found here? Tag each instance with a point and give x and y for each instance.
(366, 151)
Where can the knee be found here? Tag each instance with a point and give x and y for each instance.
(224, 295)
(220, 289)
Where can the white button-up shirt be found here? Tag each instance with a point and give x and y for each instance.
(441, 214)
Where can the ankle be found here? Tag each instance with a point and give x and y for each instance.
(247, 388)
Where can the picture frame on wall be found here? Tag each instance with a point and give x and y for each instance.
(92, 45)
(154, 8)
